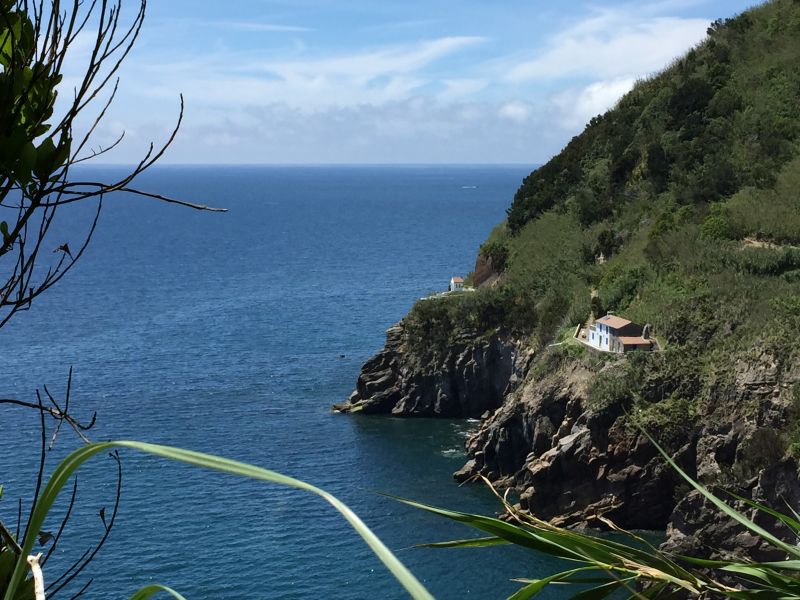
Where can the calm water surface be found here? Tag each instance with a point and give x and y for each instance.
(234, 333)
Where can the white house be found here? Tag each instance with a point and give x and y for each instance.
(456, 284)
(615, 334)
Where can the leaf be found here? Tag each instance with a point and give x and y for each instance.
(44, 159)
(152, 590)
(601, 591)
(725, 508)
(62, 154)
(536, 586)
(471, 543)
(6, 235)
(793, 524)
(27, 162)
(507, 531)
(45, 537)
(788, 565)
(773, 579)
(67, 467)
(569, 545)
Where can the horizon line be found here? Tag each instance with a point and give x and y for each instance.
(319, 164)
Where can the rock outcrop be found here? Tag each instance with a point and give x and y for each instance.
(571, 463)
(473, 377)
(571, 460)
(697, 528)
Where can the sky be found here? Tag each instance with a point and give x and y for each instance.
(378, 81)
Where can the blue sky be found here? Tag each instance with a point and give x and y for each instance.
(410, 81)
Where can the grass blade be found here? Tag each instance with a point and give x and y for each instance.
(151, 590)
(73, 461)
(725, 508)
(536, 586)
(793, 524)
(471, 543)
(601, 591)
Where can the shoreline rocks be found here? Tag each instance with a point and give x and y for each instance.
(575, 464)
(473, 377)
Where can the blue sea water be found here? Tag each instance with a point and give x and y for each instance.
(233, 334)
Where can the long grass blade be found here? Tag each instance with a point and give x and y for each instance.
(536, 586)
(570, 545)
(793, 524)
(73, 461)
(151, 590)
(601, 591)
(470, 543)
(726, 508)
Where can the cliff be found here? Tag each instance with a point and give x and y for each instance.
(573, 460)
(687, 189)
(473, 376)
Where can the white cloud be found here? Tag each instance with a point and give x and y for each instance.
(457, 89)
(515, 111)
(260, 27)
(419, 101)
(371, 77)
(577, 106)
(371, 64)
(612, 43)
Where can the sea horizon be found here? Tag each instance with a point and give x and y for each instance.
(234, 334)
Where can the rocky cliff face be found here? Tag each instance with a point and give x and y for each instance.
(473, 377)
(572, 463)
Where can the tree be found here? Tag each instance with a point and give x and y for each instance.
(39, 144)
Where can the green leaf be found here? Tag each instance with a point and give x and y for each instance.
(725, 508)
(601, 591)
(536, 586)
(793, 524)
(788, 565)
(569, 545)
(62, 154)
(152, 590)
(6, 234)
(7, 560)
(472, 543)
(44, 159)
(773, 579)
(28, 156)
(507, 531)
(73, 461)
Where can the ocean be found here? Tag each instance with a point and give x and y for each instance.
(234, 334)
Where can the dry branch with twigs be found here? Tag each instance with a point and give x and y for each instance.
(38, 148)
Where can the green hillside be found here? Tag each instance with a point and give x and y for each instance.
(690, 190)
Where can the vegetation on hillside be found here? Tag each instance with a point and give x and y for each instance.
(678, 207)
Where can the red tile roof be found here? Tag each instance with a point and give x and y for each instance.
(614, 322)
(458, 280)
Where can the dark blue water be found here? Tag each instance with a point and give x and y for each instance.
(233, 334)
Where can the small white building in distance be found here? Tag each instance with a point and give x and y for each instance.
(456, 284)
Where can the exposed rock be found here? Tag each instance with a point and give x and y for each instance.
(571, 464)
(471, 379)
(698, 528)
(485, 273)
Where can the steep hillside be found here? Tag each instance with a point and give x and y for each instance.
(679, 208)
